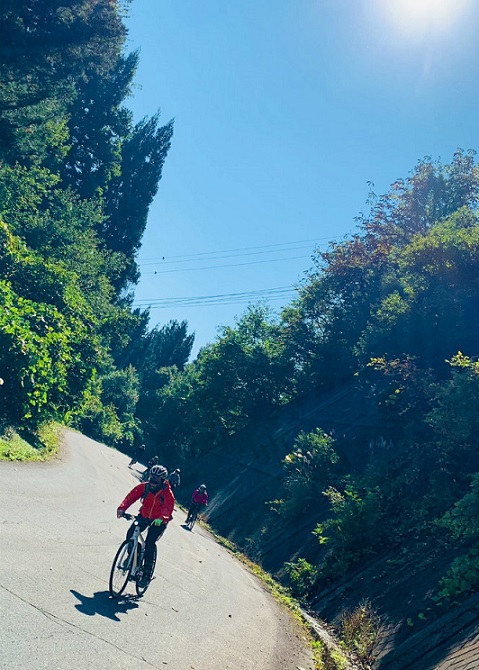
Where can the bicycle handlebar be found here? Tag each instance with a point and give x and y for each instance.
(129, 517)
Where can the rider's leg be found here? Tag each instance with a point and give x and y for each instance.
(154, 534)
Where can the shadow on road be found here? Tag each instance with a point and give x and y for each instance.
(138, 474)
(101, 603)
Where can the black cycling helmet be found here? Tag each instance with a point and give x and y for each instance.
(158, 472)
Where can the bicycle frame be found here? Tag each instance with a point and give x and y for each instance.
(138, 539)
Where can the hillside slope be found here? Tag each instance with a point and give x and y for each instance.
(245, 474)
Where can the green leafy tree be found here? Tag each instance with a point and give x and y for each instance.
(177, 420)
(108, 408)
(160, 350)
(45, 301)
(429, 304)
(454, 419)
(301, 576)
(395, 278)
(239, 378)
(34, 359)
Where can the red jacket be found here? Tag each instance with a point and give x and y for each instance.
(157, 505)
(199, 498)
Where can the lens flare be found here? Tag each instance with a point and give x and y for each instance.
(419, 17)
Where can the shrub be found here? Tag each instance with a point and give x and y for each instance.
(354, 529)
(462, 520)
(462, 577)
(302, 576)
(308, 469)
(359, 631)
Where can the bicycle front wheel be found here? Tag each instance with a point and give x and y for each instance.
(140, 590)
(121, 568)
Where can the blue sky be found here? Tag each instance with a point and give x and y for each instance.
(284, 110)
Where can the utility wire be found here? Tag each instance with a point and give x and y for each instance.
(219, 299)
(217, 258)
(198, 256)
(231, 265)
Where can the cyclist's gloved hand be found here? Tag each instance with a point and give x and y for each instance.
(119, 513)
(157, 522)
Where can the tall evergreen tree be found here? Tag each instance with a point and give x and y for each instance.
(98, 124)
(131, 191)
(45, 48)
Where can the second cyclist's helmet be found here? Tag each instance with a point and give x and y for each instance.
(202, 487)
(159, 472)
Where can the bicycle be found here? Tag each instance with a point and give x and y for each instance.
(128, 564)
(192, 520)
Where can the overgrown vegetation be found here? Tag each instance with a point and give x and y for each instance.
(392, 310)
(77, 176)
(359, 632)
(46, 444)
(328, 658)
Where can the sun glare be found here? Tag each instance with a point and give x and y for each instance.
(418, 17)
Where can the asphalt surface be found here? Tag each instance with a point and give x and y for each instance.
(58, 537)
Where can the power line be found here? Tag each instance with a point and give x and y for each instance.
(231, 265)
(252, 250)
(217, 258)
(277, 293)
(258, 294)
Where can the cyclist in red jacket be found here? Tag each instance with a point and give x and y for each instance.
(198, 500)
(156, 509)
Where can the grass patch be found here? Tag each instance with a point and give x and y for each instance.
(327, 658)
(42, 446)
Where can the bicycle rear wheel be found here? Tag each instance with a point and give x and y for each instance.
(121, 568)
(192, 520)
(140, 590)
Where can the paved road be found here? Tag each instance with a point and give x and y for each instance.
(59, 533)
